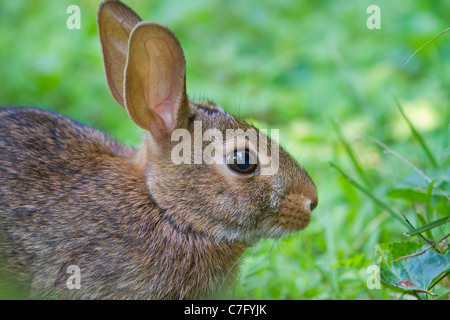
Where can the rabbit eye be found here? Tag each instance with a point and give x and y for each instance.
(242, 161)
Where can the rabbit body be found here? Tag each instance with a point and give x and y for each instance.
(75, 197)
(135, 223)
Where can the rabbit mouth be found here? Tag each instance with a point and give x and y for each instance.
(293, 215)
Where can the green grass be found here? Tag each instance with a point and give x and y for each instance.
(309, 68)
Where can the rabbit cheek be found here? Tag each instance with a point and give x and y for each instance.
(294, 213)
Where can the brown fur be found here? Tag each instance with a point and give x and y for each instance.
(109, 225)
(137, 225)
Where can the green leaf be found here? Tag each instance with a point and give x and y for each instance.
(416, 195)
(413, 273)
(408, 194)
(428, 226)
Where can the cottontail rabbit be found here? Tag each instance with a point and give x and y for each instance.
(136, 224)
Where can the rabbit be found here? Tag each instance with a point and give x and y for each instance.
(134, 223)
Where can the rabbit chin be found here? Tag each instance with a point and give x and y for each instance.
(281, 230)
(274, 230)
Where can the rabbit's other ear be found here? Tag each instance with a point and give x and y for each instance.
(115, 23)
(155, 86)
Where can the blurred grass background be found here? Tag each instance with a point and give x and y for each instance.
(290, 65)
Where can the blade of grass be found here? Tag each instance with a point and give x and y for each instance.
(401, 158)
(444, 275)
(336, 126)
(442, 296)
(416, 134)
(331, 251)
(430, 190)
(428, 226)
(440, 34)
(412, 227)
(370, 195)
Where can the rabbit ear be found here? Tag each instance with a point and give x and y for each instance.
(115, 22)
(155, 87)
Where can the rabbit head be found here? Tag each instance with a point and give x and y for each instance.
(265, 194)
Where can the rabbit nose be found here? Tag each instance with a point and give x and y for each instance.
(312, 202)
